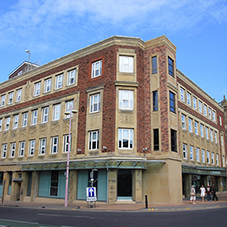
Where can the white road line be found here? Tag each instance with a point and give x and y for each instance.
(61, 215)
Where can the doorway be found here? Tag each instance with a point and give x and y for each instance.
(124, 184)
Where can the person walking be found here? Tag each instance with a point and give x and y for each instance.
(193, 195)
(214, 190)
(202, 193)
(208, 193)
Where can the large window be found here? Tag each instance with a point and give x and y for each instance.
(201, 130)
(211, 134)
(185, 154)
(208, 157)
(0, 125)
(34, 117)
(206, 131)
(191, 153)
(19, 93)
(155, 100)
(196, 128)
(125, 100)
(182, 94)
(154, 65)
(125, 138)
(197, 154)
(195, 103)
(126, 64)
(200, 107)
(171, 66)
(56, 112)
(7, 122)
(212, 158)
(59, 81)
(156, 139)
(42, 146)
(94, 140)
(21, 149)
(173, 140)
(72, 77)
(96, 69)
(217, 159)
(95, 103)
(37, 89)
(69, 107)
(12, 150)
(4, 150)
(3, 99)
(189, 99)
(54, 183)
(214, 116)
(10, 100)
(215, 137)
(203, 156)
(189, 124)
(205, 109)
(183, 117)
(66, 143)
(47, 85)
(45, 113)
(54, 145)
(172, 101)
(24, 119)
(31, 148)
(209, 113)
(15, 121)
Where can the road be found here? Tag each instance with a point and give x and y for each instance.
(15, 217)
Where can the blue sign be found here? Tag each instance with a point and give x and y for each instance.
(91, 193)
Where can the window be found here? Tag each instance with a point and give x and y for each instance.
(24, 119)
(173, 140)
(66, 143)
(3, 99)
(209, 113)
(212, 158)
(154, 65)
(200, 107)
(217, 160)
(57, 112)
(126, 64)
(15, 121)
(206, 130)
(185, 155)
(45, 114)
(223, 160)
(182, 94)
(72, 77)
(125, 138)
(215, 137)
(208, 157)
(183, 121)
(21, 149)
(211, 134)
(37, 89)
(191, 153)
(205, 110)
(172, 101)
(7, 122)
(96, 69)
(31, 147)
(155, 100)
(47, 85)
(171, 67)
(69, 107)
(190, 124)
(201, 130)
(4, 150)
(197, 154)
(19, 93)
(195, 103)
(220, 120)
(196, 128)
(214, 116)
(94, 140)
(54, 145)
(59, 81)
(222, 140)
(10, 100)
(203, 156)
(12, 150)
(54, 183)
(156, 139)
(42, 146)
(0, 125)
(189, 99)
(95, 103)
(34, 117)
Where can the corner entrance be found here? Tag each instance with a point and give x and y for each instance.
(124, 184)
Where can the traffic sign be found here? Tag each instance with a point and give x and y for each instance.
(91, 194)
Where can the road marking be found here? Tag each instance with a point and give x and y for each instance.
(62, 215)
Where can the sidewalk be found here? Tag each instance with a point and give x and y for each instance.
(121, 206)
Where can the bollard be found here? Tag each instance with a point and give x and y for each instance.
(146, 201)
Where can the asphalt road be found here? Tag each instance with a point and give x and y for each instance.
(43, 217)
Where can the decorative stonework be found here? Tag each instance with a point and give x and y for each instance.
(126, 118)
(55, 127)
(43, 128)
(13, 135)
(27, 91)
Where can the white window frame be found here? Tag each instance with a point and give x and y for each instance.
(34, 117)
(196, 128)
(217, 159)
(56, 112)
(0, 125)
(19, 94)
(189, 124)
(223, 160)
(71, 77)
(200, 107)
(95, 103)
(42, 146)
(214, 116)
(197, 154)
(15, 121)
(66, 143)
(24, 119)
(183, 121)
(3, 100)
(4, 150)
(31, 148)
(126, 64)
(7, 123)
(206, 131)
(45, 114)
(10, 98)
(59, 81)
(188, 98)
(222, 140)
(37, 88)
(21, 149)
(182, 94)
(209, 113)
(48, 83)
(191, 153)
(215, 137)
(208, 157)
(205, 109)
(54, 145)
(129, 137)
(96, 69)
(195, 102)
(12, 150)
(212, 158)
(201, 130)
(126, 99)
(185, 152)
(93, 140)
(220, 120)
(203, 155)
(69, 106)
(211, 134)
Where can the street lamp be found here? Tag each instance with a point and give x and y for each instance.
(69, 147)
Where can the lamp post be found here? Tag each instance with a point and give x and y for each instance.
(69, 148)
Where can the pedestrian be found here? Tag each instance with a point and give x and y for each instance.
(214, 190)
(208, 193)
(193, 196)
(202, 193)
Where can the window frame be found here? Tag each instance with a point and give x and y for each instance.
(69, 105)
(3, 100)
(200, 107)
(47, 85)
(45, 114)
(24, 120)
(93, 141)
(95, 69)
(54, 145)
(205, 109)
(66, 143)
(94, 104)
(196, 128)
(189, 101)
(172, 102)
(189, 124)
(34, 119)
(156, 139)
(19, 95)
(191, 153)
(42, 146)
(4, 150)
(217, 159)
(15, 121)
(7, 123)
(12, 149)
(171, 66)
(31, 148)
(208, 157)
(201, 130)
(56, 112)
(0, 124)
(185, 152)
(154, 62)
(203, 156)
(71, 74)
(37, 89)
(123, 64)
(182, 94)
(194, 102)
(21, 148)
(173, 134)
(10, 98)
(183, 121)
(197, 154)
(59, 80)
(155, 100)
(122, 139)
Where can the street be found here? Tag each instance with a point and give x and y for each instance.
(43, 217)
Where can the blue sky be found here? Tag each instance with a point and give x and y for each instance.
(51, 29)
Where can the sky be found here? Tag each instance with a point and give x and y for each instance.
(51, 29)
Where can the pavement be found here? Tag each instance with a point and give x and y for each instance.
(126, 206)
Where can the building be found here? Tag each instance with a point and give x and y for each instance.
(144, 126)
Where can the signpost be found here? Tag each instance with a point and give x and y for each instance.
(91, 195)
